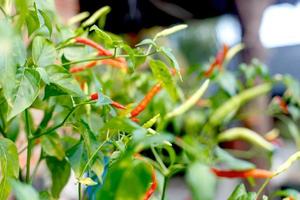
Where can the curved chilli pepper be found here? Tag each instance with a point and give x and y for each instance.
(93, 44)
(115, 63)
(153, 186)
(101, 50)
(95, 96)
(218, 62)
(84, 67)
(146, 100)
(240, 133)
(252, 173)
(282, 104)
(111, 62)
(237, 101)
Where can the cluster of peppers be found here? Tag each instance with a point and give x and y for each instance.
(121, 63)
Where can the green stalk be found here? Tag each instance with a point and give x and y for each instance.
(79, 191)
(91, 158)
(160, 162)
(164, 188)
(29, 146)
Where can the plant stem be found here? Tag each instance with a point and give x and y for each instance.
(160, 162)
(104, 57)
(164, 188)
(50, 130)
(91, 158)
(262, 187)
(79, 191)
(29, 146)
(37, 165)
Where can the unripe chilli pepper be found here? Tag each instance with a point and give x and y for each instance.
(218, 62)
(282, 104)
(146, 100)
(95, 96)
(252, 173)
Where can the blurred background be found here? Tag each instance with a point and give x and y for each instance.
(269, 29)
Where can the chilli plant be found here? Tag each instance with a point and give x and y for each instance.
(125, 119)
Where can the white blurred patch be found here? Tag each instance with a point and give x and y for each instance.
(228, 30)
(280, 25)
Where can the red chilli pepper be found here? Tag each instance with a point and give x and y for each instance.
(153, 186)
(282, 104)
(93, 44)
(146, 100)
(84, 67)
(95, 96)
(134, 119)
(218, 62)
(253, 173)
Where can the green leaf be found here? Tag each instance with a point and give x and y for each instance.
(43, 52)
(52, 146)
(231, 162)
(238, 192)
(32, 21)
(104, 36)
(168, 53)
(60, 173)
(23, 191)
(47, 20)
(228, 82)
(61, 78)
(77, 158)
(45, 195)
(126, 180)
(9, 163)
(43, 74)
(201, 181)
(120, 124)
(13, 54)
(87, 181)
(26, 91)
(162, 73)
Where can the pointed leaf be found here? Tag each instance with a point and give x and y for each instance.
(23, 191)
(60, 173)
(162, 73)
(52, 146)
(43, 52)
(26, 91)
(60, 77)
(9, 165)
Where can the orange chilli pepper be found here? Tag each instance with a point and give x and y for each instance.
(93, 44)
(282, 104)
(252, 173)
(146, 100)
(218, 62)
(153, 186)
(95, 96)
(84, 67)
